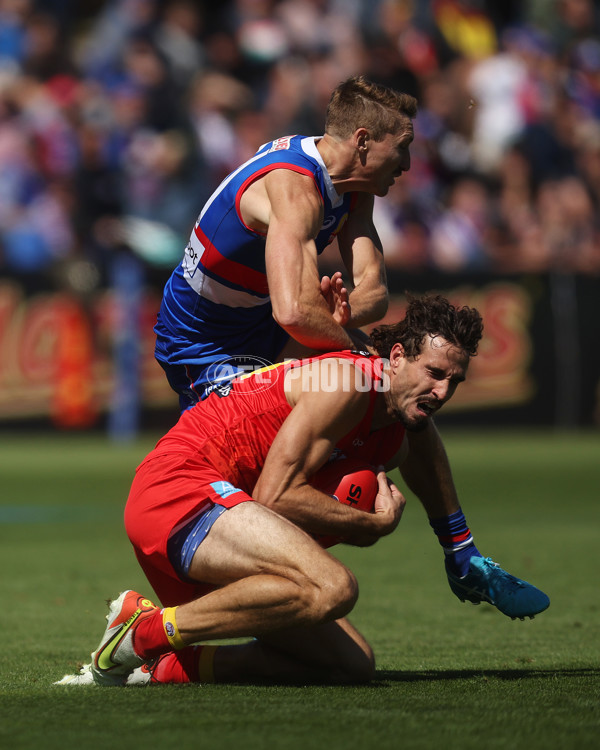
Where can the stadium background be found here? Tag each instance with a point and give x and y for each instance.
(117, 120)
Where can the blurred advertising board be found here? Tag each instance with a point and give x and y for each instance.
(538, 363)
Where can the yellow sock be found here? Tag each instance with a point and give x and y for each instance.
(206, 664)
(171, 629)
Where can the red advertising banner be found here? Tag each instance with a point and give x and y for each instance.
(538, 362)
(56, 355)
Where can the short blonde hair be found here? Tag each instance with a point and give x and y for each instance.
(359, 103)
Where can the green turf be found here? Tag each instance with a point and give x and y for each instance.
(449, 674)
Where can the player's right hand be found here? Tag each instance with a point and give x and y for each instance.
(387, 512)
(389, 503)
(336, 295)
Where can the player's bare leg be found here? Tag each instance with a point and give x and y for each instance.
(272, 576)
(334, 652)
(296, 574)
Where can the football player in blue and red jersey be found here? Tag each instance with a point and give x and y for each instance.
(249, 285)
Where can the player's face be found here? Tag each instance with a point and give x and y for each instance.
(389, 158)
(420, 386)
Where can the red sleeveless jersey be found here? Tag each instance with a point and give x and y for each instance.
(215, 454)
(234, 427)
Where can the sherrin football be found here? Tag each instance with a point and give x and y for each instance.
(351, 482)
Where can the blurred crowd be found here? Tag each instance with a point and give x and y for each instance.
(119, 118)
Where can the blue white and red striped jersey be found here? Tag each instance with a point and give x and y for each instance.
(216, 303)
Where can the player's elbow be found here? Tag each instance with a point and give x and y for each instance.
(290, 315)
(380, 302)
(265, 494)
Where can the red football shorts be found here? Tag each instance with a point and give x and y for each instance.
(169, 493)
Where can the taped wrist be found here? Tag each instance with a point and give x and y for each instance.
(457, 541)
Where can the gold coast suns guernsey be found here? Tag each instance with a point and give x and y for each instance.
(215, 453)
(234, 427)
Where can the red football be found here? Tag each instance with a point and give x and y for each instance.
(351, 482)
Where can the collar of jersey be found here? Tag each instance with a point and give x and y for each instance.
(309, 146)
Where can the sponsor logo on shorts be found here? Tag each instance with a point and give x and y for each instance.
(224, 489)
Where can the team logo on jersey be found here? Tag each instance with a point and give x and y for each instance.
(281, 144)
(336, 229)
(329, 222)
(222, 390)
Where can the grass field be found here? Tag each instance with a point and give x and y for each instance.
(449, 674)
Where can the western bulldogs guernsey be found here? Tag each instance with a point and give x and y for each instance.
(216, 306)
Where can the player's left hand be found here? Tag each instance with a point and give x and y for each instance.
(336, 295)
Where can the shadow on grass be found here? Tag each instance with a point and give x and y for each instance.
(433, 675)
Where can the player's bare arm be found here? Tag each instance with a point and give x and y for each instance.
(426, 470)
(295, 214)
(362, 254)
(319, 419)
(399, 458)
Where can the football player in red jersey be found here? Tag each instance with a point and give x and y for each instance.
(222, 514)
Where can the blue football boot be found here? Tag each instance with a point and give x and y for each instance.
(487, 582)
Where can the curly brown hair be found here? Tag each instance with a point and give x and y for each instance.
(359, 103)
(430, 315)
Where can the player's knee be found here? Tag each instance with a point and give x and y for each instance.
(335, 595)
(346, 592)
